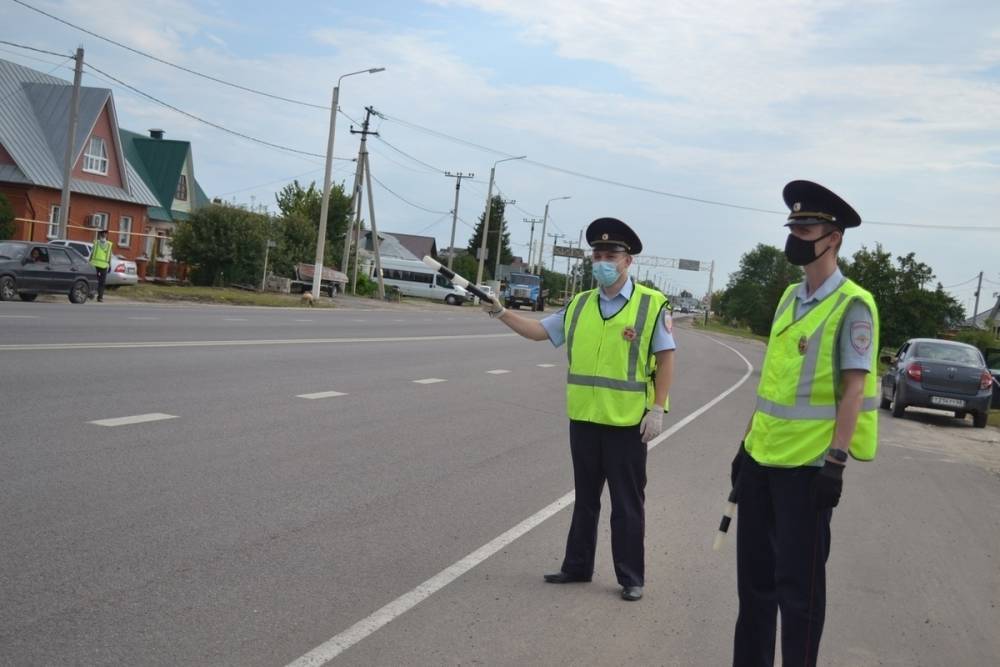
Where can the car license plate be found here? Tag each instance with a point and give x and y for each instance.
(950, 402)
(130, 271)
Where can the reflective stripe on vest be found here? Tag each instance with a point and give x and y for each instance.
(611, 384)
(791, 429)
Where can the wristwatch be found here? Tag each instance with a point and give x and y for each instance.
(838, 455)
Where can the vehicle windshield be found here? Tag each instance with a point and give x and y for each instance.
(11, 250)
(524, 279)
(953, 354)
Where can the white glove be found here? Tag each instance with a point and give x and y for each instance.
(652, 424)
(492, 308)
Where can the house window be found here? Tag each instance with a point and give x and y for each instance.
(53, 231)
(124, 231)
(182, 188)
(95, 159)
(99, 220)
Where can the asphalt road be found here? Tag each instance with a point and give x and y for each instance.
(249, 525)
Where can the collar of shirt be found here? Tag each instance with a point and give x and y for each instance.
(827, 288)
(625, 292)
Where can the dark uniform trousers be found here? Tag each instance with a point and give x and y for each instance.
(102, 276)
(618, 455)
(782, 546)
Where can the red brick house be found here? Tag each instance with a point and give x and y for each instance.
(106, 191)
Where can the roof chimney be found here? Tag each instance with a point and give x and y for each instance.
(156, 134)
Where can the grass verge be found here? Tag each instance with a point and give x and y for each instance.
(698, 321)
(220, 295)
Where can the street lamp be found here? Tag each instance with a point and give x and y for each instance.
(325, 207)
(541, 246)
(486, 219)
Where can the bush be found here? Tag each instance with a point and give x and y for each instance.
(981, 338)
(366, 286)
(222, 245)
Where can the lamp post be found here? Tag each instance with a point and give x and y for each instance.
(325, 207)
(545, 219)
(486, 219)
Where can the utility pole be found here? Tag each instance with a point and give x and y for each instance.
(711, 275)
(352, 220)
(531, 242)
(366, 165)
(496, 267)
(555, 239)
(579, 264)
(74, 119)
(486, 218)
(458, 176)
(979, 288)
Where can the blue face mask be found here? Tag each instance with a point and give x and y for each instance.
(605, 273)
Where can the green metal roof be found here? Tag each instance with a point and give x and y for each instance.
(159, 163)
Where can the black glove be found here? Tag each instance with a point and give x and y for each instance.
(737, 462)
(827, 486)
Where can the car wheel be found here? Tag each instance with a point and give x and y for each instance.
(979, 419)
(8, 289)
(27, 297)
(450, 299)
(80, 292)
(898, 407)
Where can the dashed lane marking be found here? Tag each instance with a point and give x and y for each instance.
(498, 371)
(134, 419)
(546, 365)
(430, 381)
(322, 394)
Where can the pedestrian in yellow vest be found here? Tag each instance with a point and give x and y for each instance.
(620, 347)
(817, 401)
(100, 259)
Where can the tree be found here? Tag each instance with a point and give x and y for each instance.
(753, 291)
(465, 266)
(223, 245)
(907, 309)
(307, 204)
(6, 219)
(497, 224)
(685, 294)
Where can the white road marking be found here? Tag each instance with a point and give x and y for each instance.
(546, 365)
(33, 347)
(134, 419)
(144, 318)
(337, 644)
(498, 371)
(322, 394)
(303, 320)
(235, 319)
(20, 317)
(429, 381)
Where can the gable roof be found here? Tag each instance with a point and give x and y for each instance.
(34, 114)
(159, 162)
(420, 246)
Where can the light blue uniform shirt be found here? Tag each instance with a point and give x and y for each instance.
(855, 340)
(663, 339)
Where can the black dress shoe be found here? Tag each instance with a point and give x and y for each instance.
(564, 578)
(632, 593)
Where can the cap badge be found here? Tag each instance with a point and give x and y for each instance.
(797, 206)
(604, 237)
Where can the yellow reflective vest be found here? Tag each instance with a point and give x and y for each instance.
(610, 379)
(101, 255)
(800, 384)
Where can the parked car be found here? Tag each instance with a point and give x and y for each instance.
(29, 269)
(939, 374)
(122, 271)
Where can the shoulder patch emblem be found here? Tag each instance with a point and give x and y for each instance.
(861, 336)
(668, 322)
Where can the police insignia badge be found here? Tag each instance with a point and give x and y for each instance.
(668, 322)
(861, 336)
(803, 344)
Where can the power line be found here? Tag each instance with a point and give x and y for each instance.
(664, 193)
(964, 282)
(407, 155)
(407, 201)
(170, 64)
(206, 122)
(31, 48)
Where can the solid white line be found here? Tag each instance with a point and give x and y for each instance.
(237, 343)
(322, 394)
(235, 319)
(134, 419)
(498, 371)
(144, 318)
(545, 365)
(337, 644)
(303, 320)
(429, 381)
(20, 317)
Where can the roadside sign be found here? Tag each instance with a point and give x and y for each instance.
(567, 251)
(689, 265)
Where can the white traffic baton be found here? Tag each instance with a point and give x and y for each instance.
(457, 279)
(727, 515)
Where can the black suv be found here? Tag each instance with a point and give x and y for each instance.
(29, 269)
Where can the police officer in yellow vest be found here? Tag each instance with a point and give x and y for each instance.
(100, 259)
(817, 401)
(619, 345)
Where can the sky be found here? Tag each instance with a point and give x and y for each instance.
(894, 105)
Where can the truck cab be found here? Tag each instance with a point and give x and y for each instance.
(523, 289)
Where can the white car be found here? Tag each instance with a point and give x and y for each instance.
(122, 272)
